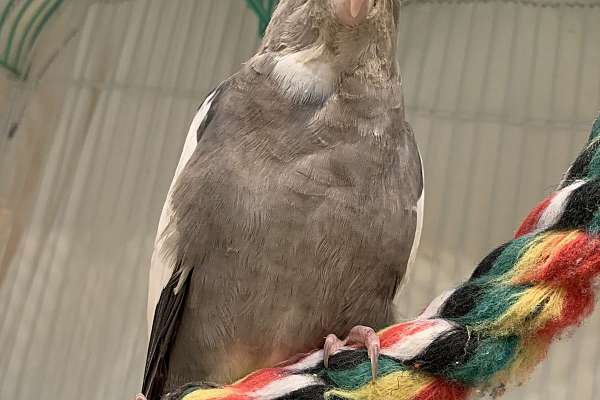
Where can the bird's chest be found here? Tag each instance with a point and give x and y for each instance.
(346, 231)
(341, 212)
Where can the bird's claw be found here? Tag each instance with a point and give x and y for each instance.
(359, 335)
(332, 345)
(140, 396)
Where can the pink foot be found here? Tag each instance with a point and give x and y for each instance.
(361, 335)
(140, 396)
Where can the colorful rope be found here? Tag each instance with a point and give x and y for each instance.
(488, 333)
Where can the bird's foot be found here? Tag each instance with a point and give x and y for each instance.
(140, 396)
(359, 335)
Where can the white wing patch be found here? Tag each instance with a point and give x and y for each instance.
(418, 229)
(161, 269)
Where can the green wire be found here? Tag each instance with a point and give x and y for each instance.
(271, 4)
(3, 17)
(257, 8)
(45, 11)
(9, 5)
(265, 22)
(10, 68)
(263, 9)
(28, 29)
(45, 20)
(11, 37)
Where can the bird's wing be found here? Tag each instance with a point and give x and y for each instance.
(418, 208)
(419, 227)
(161, 269)
(168, 281)
(164, 328)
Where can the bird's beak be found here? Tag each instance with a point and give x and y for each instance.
(352, 12)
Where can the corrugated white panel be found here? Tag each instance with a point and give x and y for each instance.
(73, 301)
(501, 95)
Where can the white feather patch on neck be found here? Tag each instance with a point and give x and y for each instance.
(304, 76)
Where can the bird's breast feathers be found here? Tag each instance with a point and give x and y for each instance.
(349, 191)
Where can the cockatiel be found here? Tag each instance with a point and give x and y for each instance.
(296, 206)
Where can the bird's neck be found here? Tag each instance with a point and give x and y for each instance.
(316, 73)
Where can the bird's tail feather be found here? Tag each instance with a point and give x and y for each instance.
(164, 329)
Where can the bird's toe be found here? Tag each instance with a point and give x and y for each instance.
(332, 345)
(368, 338)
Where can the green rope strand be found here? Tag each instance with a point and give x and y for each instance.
(595, 129)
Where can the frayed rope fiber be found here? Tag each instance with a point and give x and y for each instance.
(489, 332)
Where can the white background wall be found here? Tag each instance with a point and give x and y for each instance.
(501, 95)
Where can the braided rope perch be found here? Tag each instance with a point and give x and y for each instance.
(489, 332)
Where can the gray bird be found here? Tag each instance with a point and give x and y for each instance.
(296, 207)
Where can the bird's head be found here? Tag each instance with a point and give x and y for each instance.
(314, 45)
